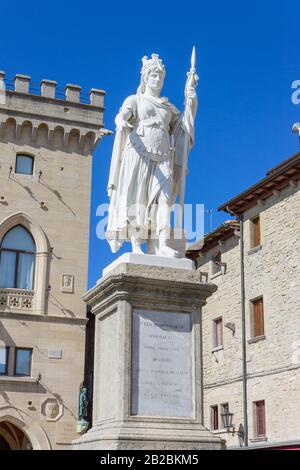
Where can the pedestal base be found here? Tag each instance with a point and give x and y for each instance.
(149, 260)
(148, 370)
(149, 437)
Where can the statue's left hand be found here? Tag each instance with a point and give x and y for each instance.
(190, 92)
(192, 82)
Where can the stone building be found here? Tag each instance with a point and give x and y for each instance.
(46, 144)
(256, 377)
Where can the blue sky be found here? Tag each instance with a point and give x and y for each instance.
(248, 56)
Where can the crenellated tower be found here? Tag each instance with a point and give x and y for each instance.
(47, 138)
(43, 116)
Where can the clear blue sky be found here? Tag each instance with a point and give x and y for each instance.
(248, 56)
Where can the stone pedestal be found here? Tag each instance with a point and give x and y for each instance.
(148, 370)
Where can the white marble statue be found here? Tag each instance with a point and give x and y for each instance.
(148, 166)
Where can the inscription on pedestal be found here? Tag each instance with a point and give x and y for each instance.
(162, 364)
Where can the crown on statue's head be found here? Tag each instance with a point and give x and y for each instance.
(155, 61)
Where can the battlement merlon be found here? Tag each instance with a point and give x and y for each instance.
(49, 109)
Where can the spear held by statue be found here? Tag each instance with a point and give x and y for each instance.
(187, 124)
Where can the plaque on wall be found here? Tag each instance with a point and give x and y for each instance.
(55, 353)
(162, 364)
(67, 283)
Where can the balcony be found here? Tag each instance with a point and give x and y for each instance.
(16, 300)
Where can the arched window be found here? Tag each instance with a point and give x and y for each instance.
(17, 259)
(24, 164)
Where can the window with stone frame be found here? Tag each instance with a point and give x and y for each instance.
(17, 259)
(259, 419)
(24, 164)
(255, 232)
(257, 318)
(218, 333)
(214, 417)
(23, 358)
(4, 354)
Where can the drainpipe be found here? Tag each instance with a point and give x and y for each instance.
(245, 398)
(240, 217)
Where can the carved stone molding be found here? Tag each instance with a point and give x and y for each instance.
(41, 132)
(51, 409)
(67, 283)
(16, 299)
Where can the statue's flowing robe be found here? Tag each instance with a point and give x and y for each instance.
(145, 166)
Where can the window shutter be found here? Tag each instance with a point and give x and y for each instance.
(221, 331)
(215, 417)
(256, 232)
(258, 318)
(260, 418)
(263, 418)
(218, 332)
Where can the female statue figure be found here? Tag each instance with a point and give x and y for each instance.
(83, 402)
(146, 162)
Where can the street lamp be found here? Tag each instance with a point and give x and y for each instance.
(227, 418)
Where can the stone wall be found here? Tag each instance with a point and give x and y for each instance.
(64, 188)
(53, 379)
(273, 363)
